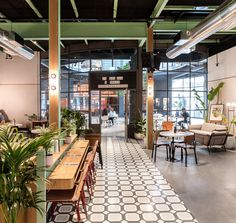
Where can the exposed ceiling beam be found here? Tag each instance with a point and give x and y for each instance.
(62, 44)
(189, 8)
(86, 41)
(74, 8)
(38, 45)
(101, 30)
(81, 31)
(4, 18)
(33, 7)
(115, 9)
(157, 10)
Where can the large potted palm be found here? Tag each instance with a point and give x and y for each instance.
(18, 174)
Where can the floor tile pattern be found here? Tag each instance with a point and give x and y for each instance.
(129, 189)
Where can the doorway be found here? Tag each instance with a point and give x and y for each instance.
(113, 113)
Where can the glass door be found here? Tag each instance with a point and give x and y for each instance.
(95, 111)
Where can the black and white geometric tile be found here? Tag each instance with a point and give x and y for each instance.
(129, 189)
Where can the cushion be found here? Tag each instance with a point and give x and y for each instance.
(209, 127)
(201, 132)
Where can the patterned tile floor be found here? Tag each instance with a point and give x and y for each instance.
(129, 189)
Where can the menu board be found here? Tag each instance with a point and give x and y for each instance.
(112, 80)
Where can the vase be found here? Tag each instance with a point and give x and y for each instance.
(139, 136)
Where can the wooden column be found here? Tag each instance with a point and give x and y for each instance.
(54, 62)
(150, 92)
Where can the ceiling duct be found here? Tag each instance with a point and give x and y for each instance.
(13, 44)
(222, 19)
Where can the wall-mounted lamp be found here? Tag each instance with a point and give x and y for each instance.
(231, 113)
(53, 76)
(53, 87)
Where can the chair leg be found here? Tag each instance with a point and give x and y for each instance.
(54, 204)
(88, 187)
(182, 156)
(208, 147)
(84, 202)
(77, 211)
(100, 155)
(186, 157)
(153, 151)
(155, 154)
(167, 153)
(195, 154)
(170, 153)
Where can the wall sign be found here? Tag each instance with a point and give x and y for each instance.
(112, 80)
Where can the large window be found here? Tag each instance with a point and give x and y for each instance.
(173, 85)
(75, 71)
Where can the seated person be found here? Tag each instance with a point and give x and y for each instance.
(111, 115)
(185, 116)
(104, 112)
(2, 118)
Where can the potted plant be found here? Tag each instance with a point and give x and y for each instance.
(18, 173)
(140, 128)
(49, 146)
(74, 117)
(210, 97)
(68, 128)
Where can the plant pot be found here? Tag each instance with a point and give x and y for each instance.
(49, 160)
(68, 140)
(139, 136)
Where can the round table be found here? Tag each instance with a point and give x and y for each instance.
(173, 135)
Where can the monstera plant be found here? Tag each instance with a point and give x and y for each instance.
(19, 172)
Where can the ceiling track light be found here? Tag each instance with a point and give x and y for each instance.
(13, 44)
(222, 19)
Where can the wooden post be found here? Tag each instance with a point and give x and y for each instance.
(150, 92)
(54, 62)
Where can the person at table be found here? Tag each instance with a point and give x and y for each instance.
(185, 116)
(2, 118)
(104, 112)
(111, 115)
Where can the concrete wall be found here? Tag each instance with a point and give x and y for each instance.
(224, 72)
(19, 86)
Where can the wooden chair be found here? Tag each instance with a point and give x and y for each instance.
(167, 126)
(91, 174)
(189, 143)
(157, 143)
(93, 137)
(73, 196)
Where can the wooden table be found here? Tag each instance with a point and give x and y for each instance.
(65, 174)
(174, 135)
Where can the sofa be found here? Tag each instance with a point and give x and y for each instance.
(210, 134)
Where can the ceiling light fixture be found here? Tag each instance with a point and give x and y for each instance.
(13, 44)
(222, 19)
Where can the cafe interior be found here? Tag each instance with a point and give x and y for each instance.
(117, 111)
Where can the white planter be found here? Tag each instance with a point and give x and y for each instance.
(139, 136)
(145, 141)
(68, 140)
(49, 160)
(230, 143)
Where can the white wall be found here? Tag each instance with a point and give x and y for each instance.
(19, 86)
(224, 72)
